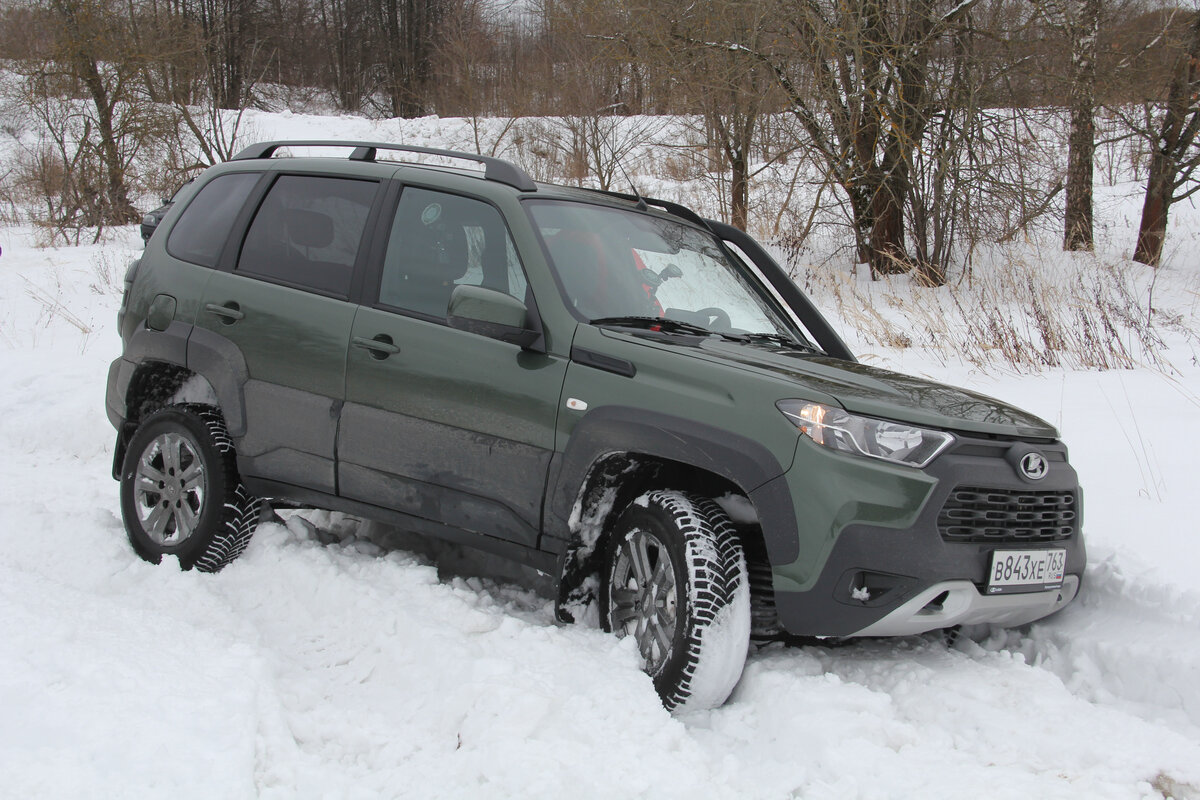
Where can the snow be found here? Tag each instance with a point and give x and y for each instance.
(739, 508)
(722, 644)
(346, 669)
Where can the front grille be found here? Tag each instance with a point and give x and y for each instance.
(973, 514)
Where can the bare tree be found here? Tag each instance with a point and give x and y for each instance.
(410, 35)
(97, 139)
(709, 54)
(977, 174)
(1171, 128)
(230, 40)
(1082, 24)
(347, 37)
(855, 74)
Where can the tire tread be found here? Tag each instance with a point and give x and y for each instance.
(717, 569)
(240, 510)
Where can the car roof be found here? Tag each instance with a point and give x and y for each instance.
(380, 159)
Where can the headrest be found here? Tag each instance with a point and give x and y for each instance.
(309, 228)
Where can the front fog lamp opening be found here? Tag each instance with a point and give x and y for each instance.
(840, 430)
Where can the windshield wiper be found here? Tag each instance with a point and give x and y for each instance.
(669, 325)
(780, 339)
(664, 324)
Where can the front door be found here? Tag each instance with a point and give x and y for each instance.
(439, 423)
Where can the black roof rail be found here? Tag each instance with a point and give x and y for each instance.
(495, 169)
(675, 209)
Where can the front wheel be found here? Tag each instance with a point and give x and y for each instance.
(180, 490)
(675, 580)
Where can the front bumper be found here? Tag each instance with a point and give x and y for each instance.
(959, 603)
(900, 579)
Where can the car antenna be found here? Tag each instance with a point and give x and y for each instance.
(641, 201)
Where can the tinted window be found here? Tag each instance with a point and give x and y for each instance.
(307, 232)
(439, 241)
(201, 232)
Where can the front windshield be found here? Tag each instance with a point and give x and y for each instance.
(614, 264)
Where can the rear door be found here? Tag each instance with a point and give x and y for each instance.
(285, 306)
(439, 423)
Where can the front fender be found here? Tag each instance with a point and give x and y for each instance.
(621, 429)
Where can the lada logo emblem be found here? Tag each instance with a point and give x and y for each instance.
(1034, 466)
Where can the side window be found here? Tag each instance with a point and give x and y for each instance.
(439, 241)
(201, 232)
(307, 232)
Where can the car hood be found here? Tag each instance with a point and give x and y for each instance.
(877, 392)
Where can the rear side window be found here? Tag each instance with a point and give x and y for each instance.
(307, 232)
(201, 232)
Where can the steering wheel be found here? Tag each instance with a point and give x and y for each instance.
(716, 318)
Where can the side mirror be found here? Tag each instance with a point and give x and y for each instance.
(493, 314)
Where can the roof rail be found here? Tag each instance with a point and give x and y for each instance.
(675, 209)
(495, 169)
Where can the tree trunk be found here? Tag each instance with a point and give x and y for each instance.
(1077, 221)
(739, 191)
(1175, 137)
(119, 210)
(1153, 228)
(862, 219)
(408, 26)
(887, 254)
(235, 42)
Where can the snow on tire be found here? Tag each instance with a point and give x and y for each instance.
(181, 493)
(675, 579)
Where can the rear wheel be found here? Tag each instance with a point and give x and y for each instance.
(180, 491)
(675, 580)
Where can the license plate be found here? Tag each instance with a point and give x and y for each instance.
(1026, 570)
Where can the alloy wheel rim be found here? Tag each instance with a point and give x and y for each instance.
(644, 596)
(169, 489)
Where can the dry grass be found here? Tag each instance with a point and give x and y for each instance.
(53, 305)
(107, 275)
(1171, 789)
(1080, 312)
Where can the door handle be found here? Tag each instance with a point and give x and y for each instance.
(229, 313)
(380, 347)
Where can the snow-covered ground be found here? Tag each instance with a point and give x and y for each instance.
(343, 670)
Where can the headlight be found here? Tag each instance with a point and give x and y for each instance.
(876, 438)
(149, 219)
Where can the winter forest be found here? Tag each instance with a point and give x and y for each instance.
(923, 129)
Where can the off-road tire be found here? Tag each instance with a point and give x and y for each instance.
(712, 595)
(207, 520)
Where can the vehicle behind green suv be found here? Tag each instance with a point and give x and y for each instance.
(621, 394)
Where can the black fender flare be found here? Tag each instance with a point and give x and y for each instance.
(170, 345)
(222, 364)
(743, 462)
(203, 352)
(146, 346)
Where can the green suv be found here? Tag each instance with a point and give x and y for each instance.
(610, 389)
